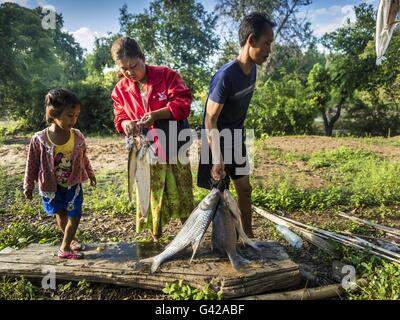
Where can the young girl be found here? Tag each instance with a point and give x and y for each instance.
(57, 160)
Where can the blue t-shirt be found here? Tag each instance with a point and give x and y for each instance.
(233, 88)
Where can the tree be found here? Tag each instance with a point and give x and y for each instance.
(33, 60)
(100, 58)
(348, 69)
(281, 107)
(319, 84)
(179, 34)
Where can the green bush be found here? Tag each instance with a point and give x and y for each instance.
(183, 291)
(281, 107)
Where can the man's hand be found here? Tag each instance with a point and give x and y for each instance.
(218, 171)
(130, 127)
(28, 195)
(93, 181)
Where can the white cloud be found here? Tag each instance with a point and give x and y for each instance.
(85, 37)
(22, 3)
(374, 2)
(328, 19)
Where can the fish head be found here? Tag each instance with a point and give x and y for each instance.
(211, 200)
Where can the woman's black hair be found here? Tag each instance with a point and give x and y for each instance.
(126, 47)
(59, 100)
(253, 23)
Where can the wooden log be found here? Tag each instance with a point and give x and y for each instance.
(271, 269)
(318, 293)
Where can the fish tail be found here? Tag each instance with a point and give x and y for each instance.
(148, 260)
(155, 265)
(195, 246)
(237, 261)
(246, 240)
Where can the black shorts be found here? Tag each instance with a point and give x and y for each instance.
(235, 167)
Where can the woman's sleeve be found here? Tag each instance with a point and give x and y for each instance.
(32, 167)
(119, 110)
(179, 97)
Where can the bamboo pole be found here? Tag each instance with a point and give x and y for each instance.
(393, 231)
(309, 236)
(349, 241)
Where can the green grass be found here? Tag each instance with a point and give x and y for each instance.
(17, 289)
(110, 196)
(355, 178)
(20, 234)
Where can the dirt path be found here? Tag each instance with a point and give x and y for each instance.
(110, 153)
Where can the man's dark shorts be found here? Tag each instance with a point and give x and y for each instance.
(237, 168)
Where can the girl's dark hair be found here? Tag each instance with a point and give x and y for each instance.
(59, 100)
(254, 23)
(126, 47)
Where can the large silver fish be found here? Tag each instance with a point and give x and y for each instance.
(385, 24)
(234, 209)
(192, 231)
(224, 237)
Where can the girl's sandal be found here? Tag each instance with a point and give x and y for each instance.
(69, 255)
(76, 246)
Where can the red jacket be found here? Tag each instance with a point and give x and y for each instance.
(165, 88)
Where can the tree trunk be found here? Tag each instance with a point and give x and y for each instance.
(330, 123)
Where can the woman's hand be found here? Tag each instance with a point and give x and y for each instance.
(130, 127)
(147, 120)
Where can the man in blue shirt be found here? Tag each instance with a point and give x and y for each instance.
(231, 90)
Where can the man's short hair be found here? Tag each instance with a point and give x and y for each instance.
(253, 23)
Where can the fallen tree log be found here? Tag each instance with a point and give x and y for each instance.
(318, 293)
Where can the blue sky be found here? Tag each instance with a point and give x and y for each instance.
(86, 19)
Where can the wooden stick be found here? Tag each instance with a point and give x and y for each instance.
(314, 239)
(352, 242)
(318, 293)
(393, 231)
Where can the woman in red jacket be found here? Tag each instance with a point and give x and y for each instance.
(155, 97)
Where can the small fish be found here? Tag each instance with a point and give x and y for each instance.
(192, 231)
(142, 178)
(234, 209)
(223, 236)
